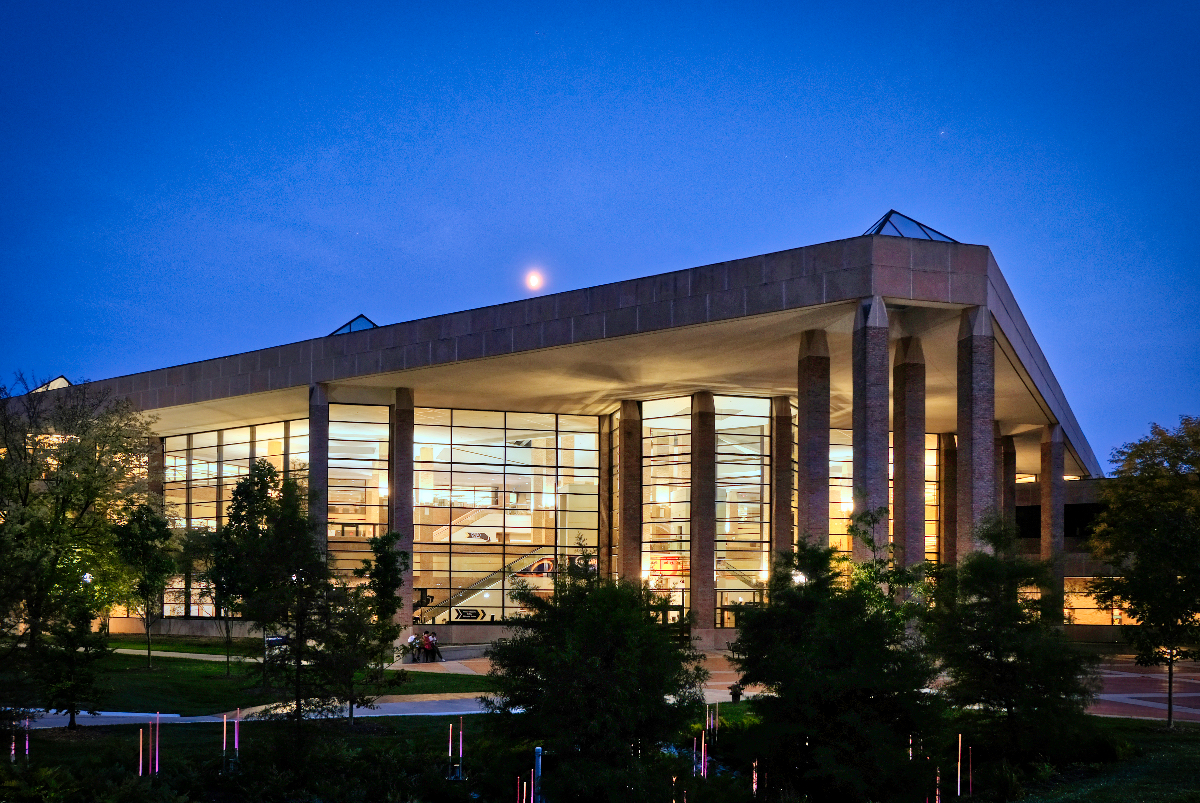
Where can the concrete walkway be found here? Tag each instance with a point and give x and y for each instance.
(1140, 692)
(192, 656)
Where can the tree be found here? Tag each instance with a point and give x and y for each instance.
(72, 463)
(145, 547)
(68, 655)
(1149, 533)
(597, 674)
(216, 555)
(842, 672)
(283, 581)
(1006, 662)
(360, 631)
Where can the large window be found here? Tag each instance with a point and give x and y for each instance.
(358, 481)
(743, 502)
(200, 471)
(614, 507)
(841, 493)
(666, 494)
(498, 497)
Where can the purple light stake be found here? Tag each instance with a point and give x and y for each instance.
(970, 773)
(717, 716)
(157, 741)
(959, 765)
(237, 732)
(693, 756)
(910, 747)
(150, 747)
(139, 752)
(703, 755)
(13, 759)
(27, 740)
(937, 785)
(754, 779)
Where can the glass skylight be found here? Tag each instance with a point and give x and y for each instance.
(356, 325)
(894, 224)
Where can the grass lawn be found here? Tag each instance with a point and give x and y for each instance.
(205, 645)
(1165, 769)
(118, 743)
(192, 688)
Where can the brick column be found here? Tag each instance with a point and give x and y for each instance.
(1008, 479)
(976, 425)
(1053, 496)
(812, 438)
(629, 468)
(870, 368)
(318, 461)
(155, 473)
(604, 488)
(947, 499)
(781, 474)
(401, 491)
(908, 452)
(702, 584)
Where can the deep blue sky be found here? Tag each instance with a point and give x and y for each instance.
(181, 181)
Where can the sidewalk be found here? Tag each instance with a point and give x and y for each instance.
(193, 656)
(1140, 692)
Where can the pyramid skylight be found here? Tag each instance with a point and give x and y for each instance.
(894, 224)
(355, 325)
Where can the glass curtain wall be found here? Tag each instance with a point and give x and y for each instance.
(614, 485)
(743, 502)
(841, 491)
(200, 471)
(841, 494)
(358, 481)
(666, 494)
(498, 497)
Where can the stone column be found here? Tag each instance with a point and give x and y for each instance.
(781, 474)
(629, 486)
(1008, 481)
(908, 452)
(947, 499)
(702, 584)
(401, 492)
(976, 425)
(604, 488)
(1052, 488)
(812, 438)
(870, 368)
(318, 461)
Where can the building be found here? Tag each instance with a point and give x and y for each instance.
(681, 426)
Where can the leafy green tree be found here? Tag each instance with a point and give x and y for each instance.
(1007, 665)
(146, 547)
(360, 631)
(72, 463)
(1150, 533)
(216, 561)
(283, 582)
(843, 674)
(69, 652)
(597, 675)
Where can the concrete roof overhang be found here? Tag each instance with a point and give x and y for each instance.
(730, 328)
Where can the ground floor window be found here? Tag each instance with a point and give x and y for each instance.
(498, 498)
